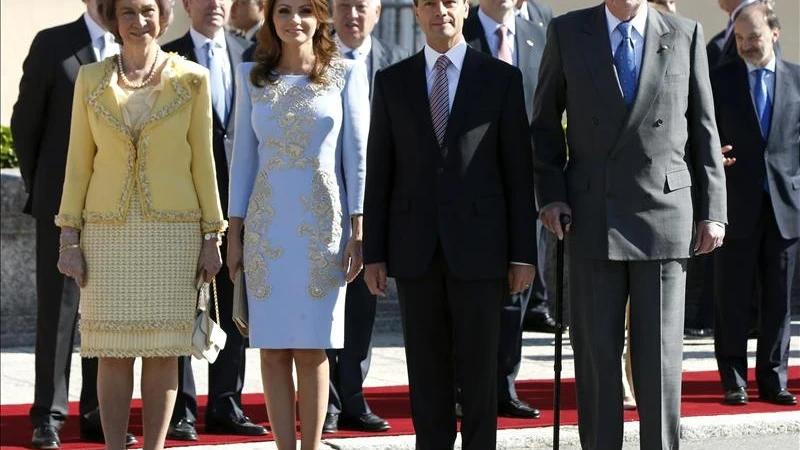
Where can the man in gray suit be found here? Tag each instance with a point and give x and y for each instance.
(635, 85)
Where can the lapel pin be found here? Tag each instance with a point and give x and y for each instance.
(529, 42)
(541, 24)
(664, 47)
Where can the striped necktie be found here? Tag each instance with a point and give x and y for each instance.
(440, 100)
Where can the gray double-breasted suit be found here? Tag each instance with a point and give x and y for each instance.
(637, 179)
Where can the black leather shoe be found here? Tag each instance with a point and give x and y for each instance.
(539, 321)
(241, 426)
(517, 408)
(331, 424)
(698, 333)
(782, 397)
(365, 422)
(183, 430)
(736, 397)
(45, 436)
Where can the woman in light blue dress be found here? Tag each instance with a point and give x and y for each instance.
(297, 188)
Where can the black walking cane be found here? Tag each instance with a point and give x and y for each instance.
(565, 220)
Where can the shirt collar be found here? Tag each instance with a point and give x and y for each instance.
(639, 21)
(523, 11)
(455, 55)
(770, 66)
(363, 50)
(490, 25)
(201, 40)
(95, 30)
(252, 31)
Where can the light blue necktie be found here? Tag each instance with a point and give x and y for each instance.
(351, 54)
(625, 62)
(763, 106)
(219, 96)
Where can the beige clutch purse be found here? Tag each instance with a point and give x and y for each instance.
(240, 313)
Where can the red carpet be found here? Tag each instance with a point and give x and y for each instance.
(701, 397)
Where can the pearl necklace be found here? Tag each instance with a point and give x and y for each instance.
(146, 81)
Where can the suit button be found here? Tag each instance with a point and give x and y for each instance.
(439, 170)
(613, 158)
(595, 121)
(658, 123)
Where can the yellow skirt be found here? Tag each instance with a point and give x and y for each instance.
(140, 294)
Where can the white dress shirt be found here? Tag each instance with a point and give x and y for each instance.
(490, 27)
(97, 34)
(360, 53)
(220, 45)
(456, 56)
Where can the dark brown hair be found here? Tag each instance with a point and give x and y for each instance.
(769, 13)
(108, 14)
(269, 48)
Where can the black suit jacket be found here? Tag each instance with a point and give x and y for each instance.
(222, 132)
(529, 42)
(473, 195)
(777, 157)
(40, 121)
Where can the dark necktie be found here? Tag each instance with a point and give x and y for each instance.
(440, 99)
(625, 62)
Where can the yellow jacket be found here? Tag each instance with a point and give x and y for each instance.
(171, 163)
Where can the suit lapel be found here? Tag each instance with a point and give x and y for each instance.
(528, 47)
(658, 51)
(105, 104)
(235, 54)
(597, 54)
(418, 97)
(82, 42)
(473, 27)
(466, 93)
(784, 92)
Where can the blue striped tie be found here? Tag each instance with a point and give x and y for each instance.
(440, 100)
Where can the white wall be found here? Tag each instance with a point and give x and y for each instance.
(20, 20)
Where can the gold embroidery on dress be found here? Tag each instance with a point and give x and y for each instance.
(293, 109)
(257, 249)
(323, 239)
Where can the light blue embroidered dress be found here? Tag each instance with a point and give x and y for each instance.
(297, 175)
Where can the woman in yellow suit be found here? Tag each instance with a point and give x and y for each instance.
(140, 214)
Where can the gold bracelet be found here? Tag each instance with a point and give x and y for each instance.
(64, 247)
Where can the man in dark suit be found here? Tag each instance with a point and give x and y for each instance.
(634, 83)
(763, 206)
(208, 44)
(494, 28)
(40, 127)
(353, 21)
(449, 213)
(247, 17)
